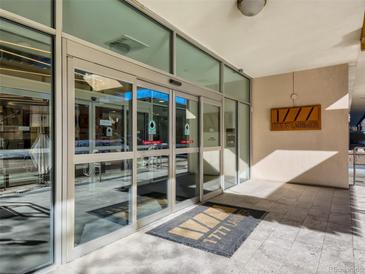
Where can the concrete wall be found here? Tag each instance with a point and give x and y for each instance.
(308, 157)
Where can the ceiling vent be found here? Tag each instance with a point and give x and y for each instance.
(251, 7)
(126, 44)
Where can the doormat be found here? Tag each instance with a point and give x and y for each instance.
(216, 228)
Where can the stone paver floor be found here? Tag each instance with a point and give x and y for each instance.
(308, 230)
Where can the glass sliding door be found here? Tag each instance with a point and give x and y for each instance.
(26, 149)
(230, 143)
(153, 139)
(187, 175)
(212, 150)
(152, 185)
(244, 142)
(101, 158)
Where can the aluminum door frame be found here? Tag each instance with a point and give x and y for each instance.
(237, 128)
(72, 251)
(155, 153)
(204, 100)
(194, 200)
(75, 50)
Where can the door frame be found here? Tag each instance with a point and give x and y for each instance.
(85, 55)
(219, 104)
(73, 251)
(237, 144)
(155, 153)
(194, 200)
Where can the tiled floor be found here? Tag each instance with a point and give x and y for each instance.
(308, 230)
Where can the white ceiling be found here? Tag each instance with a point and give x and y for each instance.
(288, 35)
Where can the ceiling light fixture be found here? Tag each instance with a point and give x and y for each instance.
(251, 7)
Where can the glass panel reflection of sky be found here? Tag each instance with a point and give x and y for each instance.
(145, 93)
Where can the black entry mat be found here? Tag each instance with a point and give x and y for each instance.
(216, 228)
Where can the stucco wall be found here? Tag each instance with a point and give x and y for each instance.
(308, 157)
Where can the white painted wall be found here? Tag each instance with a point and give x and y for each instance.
(307, 157)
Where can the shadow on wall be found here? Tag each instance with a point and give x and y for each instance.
(286, 165)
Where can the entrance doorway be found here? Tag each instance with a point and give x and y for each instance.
(137, 149)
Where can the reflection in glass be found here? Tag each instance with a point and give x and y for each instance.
(152, 178)
(211, 126)
(37, 10)
(152, 119)
(120, 28)
(244, 155)
(26, 165)
(102, 111)
(186, 123)
(103, 200)
(195, 65)
(236, 85)
(187, 176)
(230, 146)
(211, 171)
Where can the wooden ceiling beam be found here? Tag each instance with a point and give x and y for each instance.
(363, 35)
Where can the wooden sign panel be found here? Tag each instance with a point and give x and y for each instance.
(296, 118)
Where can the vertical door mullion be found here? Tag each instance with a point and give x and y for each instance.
(221, 132)
(71, 152)
(134, 161)
(237, 143)
(201, 149)
(170, 161)
(173, 149)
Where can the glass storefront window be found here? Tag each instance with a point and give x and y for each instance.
(152, 182)
(103, 198)
(37, 10)
(103, 111)
(186, 123)
(244, 153)
(195, 65)
(236, 85)
(230, 146)
(211, 171)
(211, 125)
(26, 149)
(152, 119)
(129, 32)
(187, 176)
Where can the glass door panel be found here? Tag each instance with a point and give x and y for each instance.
(211, 125)
(211, 171)
(152, 185)
(230, 144)
(187, 173)
(112, 128)
(187, 176)
(82, 127)
(103, 198)
(109, 121)
(102, 128)
(187, 126)
(244, 141)
(211, 155)
(154, 151)
(153, 119)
